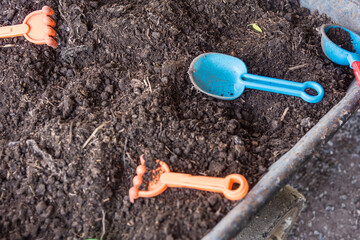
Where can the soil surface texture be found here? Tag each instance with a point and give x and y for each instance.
(341, 38)
(74, 120)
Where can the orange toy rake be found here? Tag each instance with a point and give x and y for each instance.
(36, 28)
(163, 178)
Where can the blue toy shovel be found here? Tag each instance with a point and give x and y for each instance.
(225, 77)
(339, 55)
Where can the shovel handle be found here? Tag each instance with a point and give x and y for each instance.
(212, 184)
(14, 30)
(284, 87)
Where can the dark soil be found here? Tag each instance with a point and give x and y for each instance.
(124, 67)
(341, 38)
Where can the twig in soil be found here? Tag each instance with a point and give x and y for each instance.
(147, 78)
(94, 133)
(124, 151)
(32, 190)
(146, 84)
(9, 45)
(128, 155)
(103, 225)
(70, 134)
(298, 67)
(79, 236)
(167, 148)
(284, 114)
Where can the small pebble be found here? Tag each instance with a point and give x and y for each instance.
(41, 206)
(11, 14)
(213, 199)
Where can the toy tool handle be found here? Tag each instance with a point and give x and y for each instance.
(356, 66)
(284, 87)
(212, 184)
(14, 30)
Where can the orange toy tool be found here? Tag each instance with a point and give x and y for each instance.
(163, 179)
(36, 28)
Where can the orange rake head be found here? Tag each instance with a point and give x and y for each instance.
(36, 28)
(163, 178)
(155, 187)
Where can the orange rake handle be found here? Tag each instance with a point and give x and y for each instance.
(211, 184)
(14, 30)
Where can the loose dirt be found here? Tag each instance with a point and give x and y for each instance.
(124, 67)
(341, 38)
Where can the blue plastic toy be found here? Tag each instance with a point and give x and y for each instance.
(225, 77)
(339, 55)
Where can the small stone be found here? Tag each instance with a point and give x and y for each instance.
(60, 233)
(329, 208)
(93, 4)
(262, 169)
(109, 89)
(169, 237)
(232, 125)
(70, 73)
(173, 158)
(164, 80)
(213, 199)
(169, 68)
(160, 218)
(237, 140)
(289, 17)
(63, 70)
(275, 124)
(177, 151)
(239, 149)
(305, 122)
(68, 106)
(41, 206)
(104, 96)
(40, 189)
(319, 66)
(145, 53)
(156, 35)
(216, 167)
(122, 84)
(304, 12)
(11, 14)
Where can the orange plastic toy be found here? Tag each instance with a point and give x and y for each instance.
(163, 179)
(36, 28)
